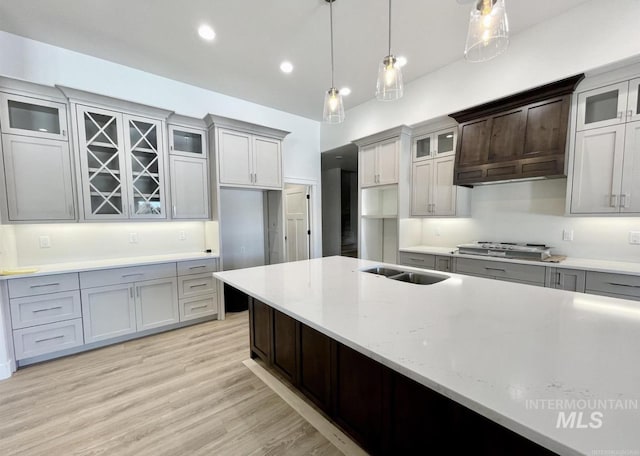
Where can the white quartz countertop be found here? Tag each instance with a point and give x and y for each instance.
(80, 266)
(622, 267)
(517, 354)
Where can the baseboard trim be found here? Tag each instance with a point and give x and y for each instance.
(334, 435)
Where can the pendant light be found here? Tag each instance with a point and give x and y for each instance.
(488, 34)
(389, 86)
(333, 107)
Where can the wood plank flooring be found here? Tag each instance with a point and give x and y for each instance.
(184, 392)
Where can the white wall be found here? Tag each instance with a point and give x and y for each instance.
(591, 35)
(533, 211)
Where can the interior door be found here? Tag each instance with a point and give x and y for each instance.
(297, 223)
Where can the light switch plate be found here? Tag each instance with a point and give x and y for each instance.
(634, 237)
(45, 242)
(133, 238)
(182, 236)
(567, 235)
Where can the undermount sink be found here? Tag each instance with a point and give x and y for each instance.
(387, 272)
(419, 278)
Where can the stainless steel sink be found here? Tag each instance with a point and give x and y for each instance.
(379, 270)
(419, 278)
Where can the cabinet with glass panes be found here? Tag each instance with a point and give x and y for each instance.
(122, 158)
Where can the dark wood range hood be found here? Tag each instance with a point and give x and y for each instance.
(522, 136)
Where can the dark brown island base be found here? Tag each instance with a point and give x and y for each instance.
(384, 411)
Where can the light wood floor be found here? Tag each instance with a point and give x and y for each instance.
(184, 392)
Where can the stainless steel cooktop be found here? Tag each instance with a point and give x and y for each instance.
(506, 250)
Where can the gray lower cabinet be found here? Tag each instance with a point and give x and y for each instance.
(156, 303)
(510, 272)
(108, 312)
(427, 261)
(566, 279)
(197, 289)
(615, 285)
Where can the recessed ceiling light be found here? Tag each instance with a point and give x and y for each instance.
(345, 91)
(286, 67)
(401, 61)
(206, 32)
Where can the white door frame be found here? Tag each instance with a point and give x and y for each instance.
(315, 239)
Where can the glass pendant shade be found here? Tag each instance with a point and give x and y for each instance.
(488, 34)
(333, 107)
(389, 86)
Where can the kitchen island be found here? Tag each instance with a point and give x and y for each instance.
(558, 368)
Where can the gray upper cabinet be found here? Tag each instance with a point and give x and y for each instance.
(34, 117)
(189, 188)
(188, 142)
(38, 179)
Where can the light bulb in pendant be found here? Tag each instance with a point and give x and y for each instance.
(333, 107)
(488, 34)
(389, 86)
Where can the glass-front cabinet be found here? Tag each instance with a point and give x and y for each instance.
(189, 142)
(435, 144)
(33, 117)
(609, 105)
(121, 158)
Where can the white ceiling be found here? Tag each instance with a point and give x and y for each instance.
(254, 36)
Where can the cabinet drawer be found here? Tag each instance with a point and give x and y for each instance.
(501, 270)
(420, 260)
(40, 340)
(32, 286)
(197, 266)
(196, 285)
(49, 308)
(126, 275)
(618, 284)
(202, 306)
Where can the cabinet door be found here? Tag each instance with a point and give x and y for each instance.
(423, 147)
(546, 128)
(156, 303)
(445, 141)
(633, 101)
(285, 350)
(260, 327)
(444, 192)
(38, 178)
(315, 366)
(387, 160)
(145, 167)
(597, 170)
(267, 163)
(566, 279)
(108, 312)
(188, 142)
(507, 136)
(367, 166)
(189, 189)
(101, 148)
(443, 263)
(234, 158)
(33, 117)
(421, 186)
(474, 142)
(630, 193)
(603, 107)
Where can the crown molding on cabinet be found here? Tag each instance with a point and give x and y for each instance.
(97, 100)
(186, 121)
(381, 136)
(234, 124)
(31, 89)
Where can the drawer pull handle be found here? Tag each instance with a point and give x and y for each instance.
(197, 267)
(49, 308)
(421, 260)
(495, 269)
(199, 307)
(198, 285)
(623, 285)
(132, 275)
(61, 336)
(45, 285)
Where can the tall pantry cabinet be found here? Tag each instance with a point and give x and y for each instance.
(37, 173)
(121, 148)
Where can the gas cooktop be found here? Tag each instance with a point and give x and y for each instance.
(506, 250)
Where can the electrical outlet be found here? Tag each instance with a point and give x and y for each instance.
(133, 238)
(634, 237)
(45, 242)
(567, 235)
(182, 236)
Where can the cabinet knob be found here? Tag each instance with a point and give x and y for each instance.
(629, 114)
(612, 200)
(624, 200)
(620, 114)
